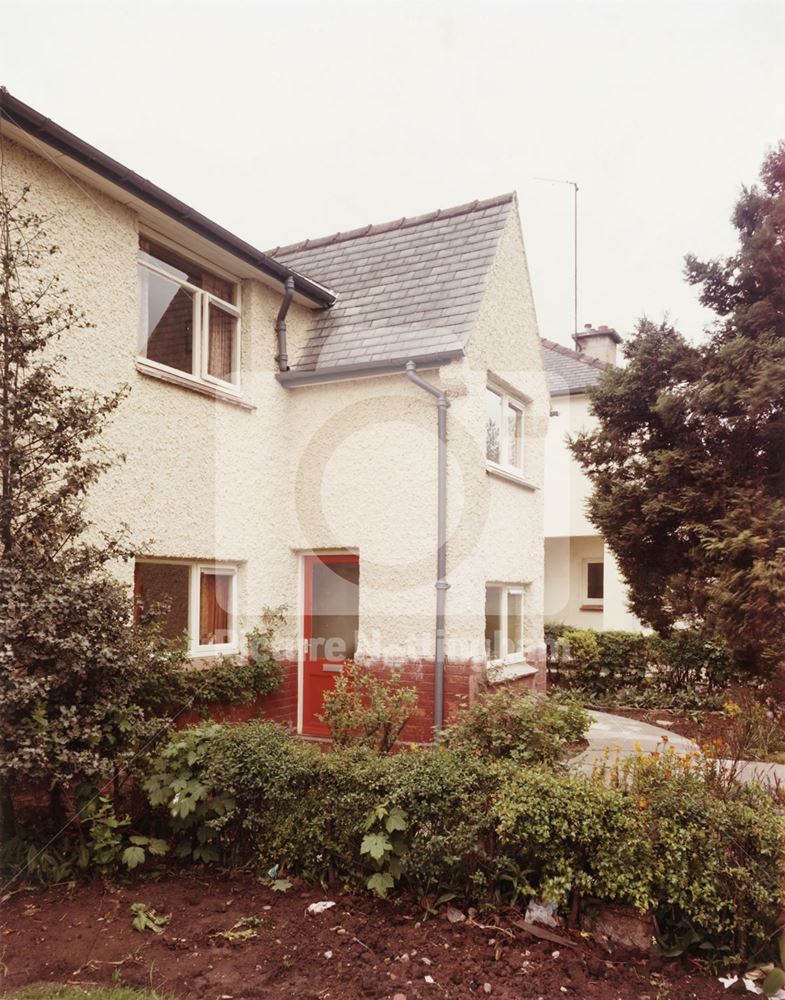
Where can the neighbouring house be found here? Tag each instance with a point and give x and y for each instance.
(352, 427)
(583, 586)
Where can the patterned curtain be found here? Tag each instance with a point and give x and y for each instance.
(221, 327)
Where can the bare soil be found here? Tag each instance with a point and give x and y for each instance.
(701, 727)
(360, 948)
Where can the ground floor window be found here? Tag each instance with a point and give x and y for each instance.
(196, 600)
(504, 622)
(593, 582)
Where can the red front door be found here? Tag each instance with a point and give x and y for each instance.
(330, 616)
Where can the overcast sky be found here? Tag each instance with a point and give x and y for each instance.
(287, 120)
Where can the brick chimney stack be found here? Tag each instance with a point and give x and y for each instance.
(599, 343)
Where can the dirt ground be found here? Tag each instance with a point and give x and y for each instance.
(359, 948)
(702, 727)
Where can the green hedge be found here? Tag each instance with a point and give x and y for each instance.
(684, 663)
(663, 834)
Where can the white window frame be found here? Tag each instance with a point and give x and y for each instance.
(200, 349)
(507, 589)
(586, 601)
(508, 402)
(195, 648)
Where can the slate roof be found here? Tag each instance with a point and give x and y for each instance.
(569, 372)
(407, 289)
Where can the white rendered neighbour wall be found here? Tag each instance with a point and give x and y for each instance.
(570, 538)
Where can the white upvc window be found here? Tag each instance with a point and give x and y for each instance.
(504, 622)
(504, 431)
(198, 600)
(593, 583)
(189, 318)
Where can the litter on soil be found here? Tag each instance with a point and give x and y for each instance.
(230, 937)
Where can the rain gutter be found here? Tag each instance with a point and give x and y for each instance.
(44, 129)
(363, 369)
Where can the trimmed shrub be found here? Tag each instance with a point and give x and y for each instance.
(664, 832)
(684, 666)
(521, 726)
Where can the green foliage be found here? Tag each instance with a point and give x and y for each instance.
(175, 782)
(230, 680)
(71, 658)
(714, 846)
(386, 844)
(521, 726)
(686, 460)
(146, 919)
(679, 668)
(755, 730)
(663, 832)
(365, 709)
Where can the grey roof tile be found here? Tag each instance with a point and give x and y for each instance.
(569, 372)
(406, 289)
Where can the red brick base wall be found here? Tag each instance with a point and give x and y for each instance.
(462, 683)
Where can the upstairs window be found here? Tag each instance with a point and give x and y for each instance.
(504, 431)
(503, 622)
(189, 318)
(196, 601)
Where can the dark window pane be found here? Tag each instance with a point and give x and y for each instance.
(493, 622)
(595, 584)
(170, 262)
(163, 588)
(167, 321)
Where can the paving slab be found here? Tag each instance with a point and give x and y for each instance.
(625, 737)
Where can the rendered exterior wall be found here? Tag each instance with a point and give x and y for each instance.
(569, 535)
(348, 465)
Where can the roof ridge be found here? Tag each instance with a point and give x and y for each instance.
(575, 355)
(372, 229)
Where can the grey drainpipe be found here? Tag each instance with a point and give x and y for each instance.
(280, 325)
(441, 559)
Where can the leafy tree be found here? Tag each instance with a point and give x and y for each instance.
(70, 655)
(688, 459)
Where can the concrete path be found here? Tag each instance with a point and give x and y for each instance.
(627, 736)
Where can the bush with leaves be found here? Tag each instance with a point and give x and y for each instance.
(668, 833)
(525, 727)
(175, 782)
(682, 668)
(368, 709)
(230, 680)
(71, 657)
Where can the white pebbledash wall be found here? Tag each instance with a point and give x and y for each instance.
(570, 538)
(343, 465)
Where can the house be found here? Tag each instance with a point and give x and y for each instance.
(583, 586)
(352, 427)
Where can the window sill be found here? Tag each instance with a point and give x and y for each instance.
(511, 477)
(499, 671)
(192, 384)
(206, 653)
(590, 607)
